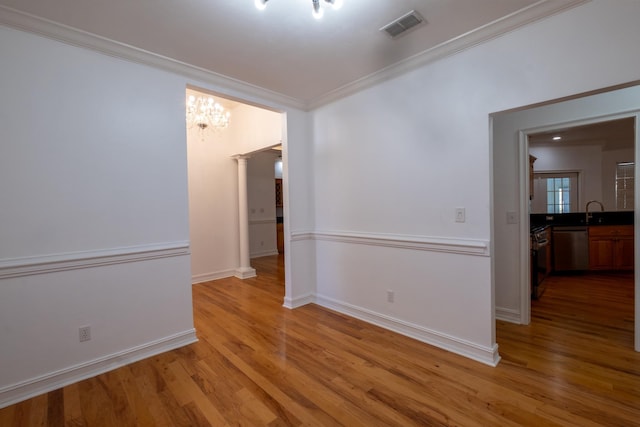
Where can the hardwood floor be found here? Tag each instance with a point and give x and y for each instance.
(258, 364)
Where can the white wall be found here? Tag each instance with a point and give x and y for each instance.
(261, 128)
(95, 210)
(299, 210)
(429, 131)
(213, 202)
(262, 204)
(94, 213)
(586, 160)
(390, 179)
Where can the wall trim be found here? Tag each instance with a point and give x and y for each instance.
(421, 243)
(508, 315)
(26, 22)
(36, 386)
(72, 36)
(27, 266)
(299, 236)
(245, 272)
(214, 275)
(267, 252)
(299, 301)
(262, 221)
(487, 355)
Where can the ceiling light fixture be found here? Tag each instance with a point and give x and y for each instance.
(317, 10)
(206, 113)
(557, 138)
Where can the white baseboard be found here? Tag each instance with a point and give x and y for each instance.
(267, 221)
(298, 301)
(36, 386)
(245, 272)
(508, 315)
(486, 355)
(214, 275)
(267, 252)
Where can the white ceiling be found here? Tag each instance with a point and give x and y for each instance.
(283, 48)
(611, 135)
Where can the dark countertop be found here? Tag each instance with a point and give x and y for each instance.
(579, 218)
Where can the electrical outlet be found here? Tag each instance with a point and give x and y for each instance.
(460, 215)
(84, 333)
(390, 296)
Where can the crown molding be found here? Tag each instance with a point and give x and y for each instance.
(539, 10)
(72, 36)
(26, 22)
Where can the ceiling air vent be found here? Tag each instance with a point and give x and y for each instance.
(403, 24)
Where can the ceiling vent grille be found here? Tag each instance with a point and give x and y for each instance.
(403, 24)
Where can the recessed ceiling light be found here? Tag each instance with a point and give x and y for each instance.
(557, 138)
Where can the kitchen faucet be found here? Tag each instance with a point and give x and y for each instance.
(587, 214)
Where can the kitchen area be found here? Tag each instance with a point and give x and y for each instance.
(581, 201)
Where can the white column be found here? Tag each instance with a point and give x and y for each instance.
(245, 270)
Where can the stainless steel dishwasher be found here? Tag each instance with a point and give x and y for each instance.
(570, 248)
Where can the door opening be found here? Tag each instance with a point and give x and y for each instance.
(511, 206)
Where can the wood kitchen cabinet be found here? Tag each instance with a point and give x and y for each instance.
(611, 247)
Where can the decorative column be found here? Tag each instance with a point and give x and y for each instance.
(245, 270)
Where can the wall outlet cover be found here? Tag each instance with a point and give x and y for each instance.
(84, 333)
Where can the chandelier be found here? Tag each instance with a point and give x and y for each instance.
(206, 113)
(317, 10)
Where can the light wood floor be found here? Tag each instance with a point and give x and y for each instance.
(258, 364)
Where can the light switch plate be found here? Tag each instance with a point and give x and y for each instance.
(512, 217)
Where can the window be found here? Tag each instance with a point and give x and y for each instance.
(558, 195)
(556, 192)
(625, 180)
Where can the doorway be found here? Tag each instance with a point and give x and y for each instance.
(213, 177)
(510, 181)
(575, 168)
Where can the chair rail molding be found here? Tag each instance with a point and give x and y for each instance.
(42, 264)
(400, 241)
